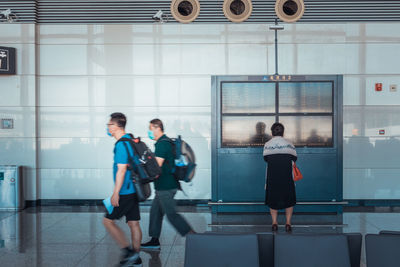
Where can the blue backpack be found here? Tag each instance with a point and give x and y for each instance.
(184, 166)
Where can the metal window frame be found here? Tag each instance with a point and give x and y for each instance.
(277, 114)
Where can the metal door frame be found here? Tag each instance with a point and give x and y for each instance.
(216, 142)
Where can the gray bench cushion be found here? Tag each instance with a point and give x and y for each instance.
(386, 232)
(311, 251)
(382, 250)
(214, 250)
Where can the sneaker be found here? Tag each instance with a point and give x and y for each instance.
(129, 255)
(137, 263)
(153, 244)
(133, 263)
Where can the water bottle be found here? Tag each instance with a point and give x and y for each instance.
(181, 161)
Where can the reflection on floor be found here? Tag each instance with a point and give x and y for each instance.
(75, 236)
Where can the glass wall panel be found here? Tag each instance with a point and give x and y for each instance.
(369, 120)
(311, 131)
(246, 131)
(248, 97)
(305, 97)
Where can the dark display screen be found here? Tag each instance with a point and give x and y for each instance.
(249, 109)
(7, 60)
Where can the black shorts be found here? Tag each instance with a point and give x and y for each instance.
(128, 207)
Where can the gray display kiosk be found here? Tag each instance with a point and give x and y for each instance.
(243, 110)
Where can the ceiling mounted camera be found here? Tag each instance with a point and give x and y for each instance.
(185, 11)
(8, 15)
(160, 16)
(237, 10)
(289, 10)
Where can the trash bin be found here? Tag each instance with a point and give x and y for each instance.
(11, 193)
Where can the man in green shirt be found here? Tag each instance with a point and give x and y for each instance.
(166, 187)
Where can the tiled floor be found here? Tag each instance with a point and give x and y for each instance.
(75, 236)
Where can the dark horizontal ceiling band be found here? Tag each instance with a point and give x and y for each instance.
(130, 11)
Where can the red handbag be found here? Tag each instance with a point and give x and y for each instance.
(297, 176)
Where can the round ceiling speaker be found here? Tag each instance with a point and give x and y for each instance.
(289, 10)
(185, 11)
(237, 10)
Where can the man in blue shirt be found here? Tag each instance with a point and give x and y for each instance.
(123, 199)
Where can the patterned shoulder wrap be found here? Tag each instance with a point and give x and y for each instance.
(279, 145)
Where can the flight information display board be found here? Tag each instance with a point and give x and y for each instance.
(248, 110)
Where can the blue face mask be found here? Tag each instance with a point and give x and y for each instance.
(150, 134)
(108, 133)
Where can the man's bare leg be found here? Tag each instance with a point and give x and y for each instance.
(115, 232)
(136, 234)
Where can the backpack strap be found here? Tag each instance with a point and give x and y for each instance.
(178, 149)
(125, 139)
(130, 142)
(169, 140)
(130, 158)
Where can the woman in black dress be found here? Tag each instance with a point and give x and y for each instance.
(280, 193)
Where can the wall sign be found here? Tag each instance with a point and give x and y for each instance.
(7, 60)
